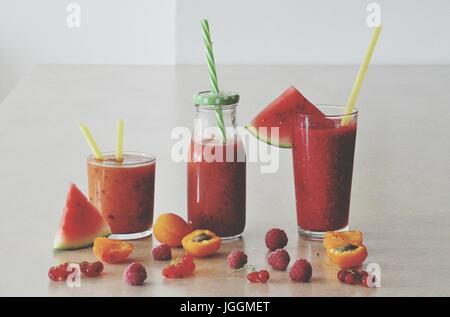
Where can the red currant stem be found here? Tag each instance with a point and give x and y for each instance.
(247, 267)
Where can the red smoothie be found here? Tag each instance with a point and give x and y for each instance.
(216, 187)
(123, 191)
(323, 166)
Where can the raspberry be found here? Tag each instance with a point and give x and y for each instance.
(301, 271)
(135, 274)
(263, 276)
(162, 253)
(237, 259)
(55, 275)
(188, 265)
(59, 272)
(180, 267)
(252, 277)
(92, 269)
(83, 266)
(276, 239)
(279, 259)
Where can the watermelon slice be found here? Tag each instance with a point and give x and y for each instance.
(80, 224)
(281, 113)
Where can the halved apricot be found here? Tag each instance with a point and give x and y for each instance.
(201, 243)
(334, 239)
(111, 251)
(348, 255)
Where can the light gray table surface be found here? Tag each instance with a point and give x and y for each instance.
(401, 189)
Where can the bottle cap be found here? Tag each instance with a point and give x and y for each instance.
(222, 98)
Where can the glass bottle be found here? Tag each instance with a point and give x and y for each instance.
(216, 171)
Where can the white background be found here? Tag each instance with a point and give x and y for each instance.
(167, 32)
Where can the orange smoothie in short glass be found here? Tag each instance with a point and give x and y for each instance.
(124, 192)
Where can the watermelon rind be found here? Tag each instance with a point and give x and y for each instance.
(61, 243)
(285, 144)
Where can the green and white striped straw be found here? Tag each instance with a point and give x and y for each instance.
(213, 75)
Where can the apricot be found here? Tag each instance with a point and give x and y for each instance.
(348, 255)
(201, 243)
(111, 251)
(171, 229)
(334, 239)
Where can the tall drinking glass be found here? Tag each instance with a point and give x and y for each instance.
(323, 151)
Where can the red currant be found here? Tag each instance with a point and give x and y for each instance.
(253, 277)
(350, 279)
(341, 275)
(363, 273)
(368, 280)
(263, 276)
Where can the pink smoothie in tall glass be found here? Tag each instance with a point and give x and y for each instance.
(216, 187)
(323, 166)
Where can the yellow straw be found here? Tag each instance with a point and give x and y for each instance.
(119, 149)
(90, 140)
(360, 77)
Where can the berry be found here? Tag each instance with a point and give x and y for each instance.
(92, 269)
(253, 277)
(83, 266)
(341, 275)
(276, 239)
(135, 274)
(52, 274)
(301, 271)
(162, 252)
(237, 259)
(55, 275)
(279, 259)
(180, 267)
(263, 276)
(350, 279)
(59, 272)
(362, 274)
(368, 280)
